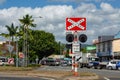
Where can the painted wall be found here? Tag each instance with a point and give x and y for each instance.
(116, 45)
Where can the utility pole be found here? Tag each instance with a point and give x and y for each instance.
(60, 48)
(17, 53)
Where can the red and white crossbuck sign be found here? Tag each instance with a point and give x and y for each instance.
(75, 24)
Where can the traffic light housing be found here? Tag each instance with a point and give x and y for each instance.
(69, 37)
(82, 38)
(73, 37)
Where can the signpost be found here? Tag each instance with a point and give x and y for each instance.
(10, 49)
(75, 24)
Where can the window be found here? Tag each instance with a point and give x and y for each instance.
(103, 48)
(113, 62)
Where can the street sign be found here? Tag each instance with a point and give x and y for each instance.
(90, 48)
(76, 47)
(10, 48)
(21, 55)
(75, 24)
(11, 60)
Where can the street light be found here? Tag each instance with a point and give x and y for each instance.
(17, 60)
(26, 45)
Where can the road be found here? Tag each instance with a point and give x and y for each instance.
(103, 73)
(22, 78)
(5, 76)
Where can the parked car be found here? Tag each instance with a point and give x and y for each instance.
(1, 63)
(50, 62)
(66, 62)
(118, 65)
(113, 64)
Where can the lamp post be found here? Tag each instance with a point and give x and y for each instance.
(17, 52)
(26, 45)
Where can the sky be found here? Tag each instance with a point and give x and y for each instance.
(103, 16)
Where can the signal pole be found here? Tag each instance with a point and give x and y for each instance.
(73, 25)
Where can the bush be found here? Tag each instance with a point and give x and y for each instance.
(11, 68)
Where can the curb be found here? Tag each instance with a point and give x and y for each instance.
(82, 78)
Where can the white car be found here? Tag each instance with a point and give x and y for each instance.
(112, 64)
(1, 63)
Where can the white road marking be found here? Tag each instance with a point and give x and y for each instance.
(49, 78)
(106, 78)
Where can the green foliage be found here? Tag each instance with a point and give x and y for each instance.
(12, 30)
(27, 21)
(67, 55)
(83, 50)
(34, 65)
(38, 43)
(42, 44)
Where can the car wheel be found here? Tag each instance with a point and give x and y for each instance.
(110, 68)
(118, 68)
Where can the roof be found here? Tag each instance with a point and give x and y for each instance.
(117, 35)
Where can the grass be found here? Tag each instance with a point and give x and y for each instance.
(30, 71)
(66, 73)
(11, 68)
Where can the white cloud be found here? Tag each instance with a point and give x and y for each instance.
(106, 7)
(99, 21)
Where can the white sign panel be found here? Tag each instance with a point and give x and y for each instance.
(76, 47)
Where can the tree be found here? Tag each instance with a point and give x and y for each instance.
(12, 33)
(42, 44)
(27, 22)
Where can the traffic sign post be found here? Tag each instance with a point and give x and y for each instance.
(75, 49)
(74, 25)
(10, 49)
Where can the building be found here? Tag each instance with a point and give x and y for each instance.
(8, 48)
(104, 47)
(108, 47)
(116, 46)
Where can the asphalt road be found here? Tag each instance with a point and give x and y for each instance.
(103, 73)
(5, 76)
(21, 78)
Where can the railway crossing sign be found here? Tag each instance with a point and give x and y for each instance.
(75, 24)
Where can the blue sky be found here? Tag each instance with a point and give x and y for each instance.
(42, 3)
(103, 16)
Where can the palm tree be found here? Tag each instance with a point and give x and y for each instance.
(27, 22)
(12, 33)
